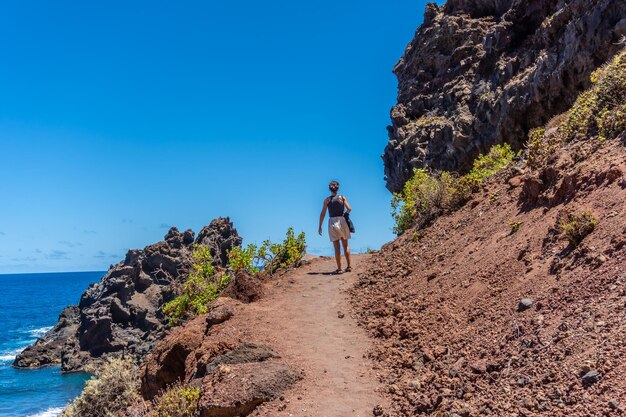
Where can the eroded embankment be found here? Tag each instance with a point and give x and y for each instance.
(443, 303)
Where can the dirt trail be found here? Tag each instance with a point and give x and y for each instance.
(306, 317)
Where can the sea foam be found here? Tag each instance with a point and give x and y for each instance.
(9, 356)
(40, 331)
(50, 412)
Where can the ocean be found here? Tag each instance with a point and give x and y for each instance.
(29, 305)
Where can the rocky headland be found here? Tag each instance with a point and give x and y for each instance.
(484, 72)
(123, 312)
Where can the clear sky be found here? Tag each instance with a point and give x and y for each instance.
(119, 119)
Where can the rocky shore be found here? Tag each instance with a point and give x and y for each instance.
(123, 312)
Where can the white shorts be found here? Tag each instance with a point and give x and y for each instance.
(338, 228)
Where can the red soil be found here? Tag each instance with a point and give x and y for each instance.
(442, 303)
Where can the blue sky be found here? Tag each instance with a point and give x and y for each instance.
(120, 119)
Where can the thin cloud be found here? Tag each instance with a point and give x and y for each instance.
(37, 250)
(58, 254)
(69, 244)
(104, 255)
(24, 259)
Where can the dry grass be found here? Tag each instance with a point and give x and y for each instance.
(113, 388)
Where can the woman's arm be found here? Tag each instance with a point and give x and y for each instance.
(322, 215)
(348, 208)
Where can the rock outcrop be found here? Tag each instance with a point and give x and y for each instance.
(210, 352)
(484, 72)
(123, 312)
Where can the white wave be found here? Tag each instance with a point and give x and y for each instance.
(9, 356)
(50, 412)
(40, 331)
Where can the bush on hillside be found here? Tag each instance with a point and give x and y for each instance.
(203, 285)
(244, 259)
(269, 257)
(577, 226)
(178, 401)
(599, 112)
(114, 387)
(427, 195)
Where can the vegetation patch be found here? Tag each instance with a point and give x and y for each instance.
(432, 120)
(599, 112)
(269, 257)
(179, 400)
(114, 387)
(515, 226)
(205, 283)
(427, 195)
(577, 226)
(202, 286)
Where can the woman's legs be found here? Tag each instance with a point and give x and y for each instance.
(338, 253)
(346, 251)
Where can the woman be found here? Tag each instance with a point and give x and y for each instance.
(338, 229)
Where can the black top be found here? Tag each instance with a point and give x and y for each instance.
(335, 206)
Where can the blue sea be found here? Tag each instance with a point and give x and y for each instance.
(29, 305)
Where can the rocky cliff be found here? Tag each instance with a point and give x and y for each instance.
(122, 312)
(483, 72)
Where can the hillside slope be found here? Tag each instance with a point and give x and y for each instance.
(445, 303)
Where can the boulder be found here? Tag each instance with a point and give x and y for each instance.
(184, 353)
(236, 390)
(244, 353)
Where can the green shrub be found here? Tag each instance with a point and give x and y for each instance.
(178, 401)
(540, 146)
(269, 257)
(203, 285)
(577, 226)
(599, 112)
(515, 226)
(485, 166)
(289, 253)
(114, 387)
(420, 200)
(244, 259)
(426, 195)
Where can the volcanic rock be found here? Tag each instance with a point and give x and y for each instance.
(484, 72)
(244, 353)
(236, 390)
(123, 312)
(591, 378)
(524, 304)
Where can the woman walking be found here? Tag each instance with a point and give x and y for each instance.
(338, 229)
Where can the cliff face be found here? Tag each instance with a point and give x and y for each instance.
(484, 72)
(123, 310)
